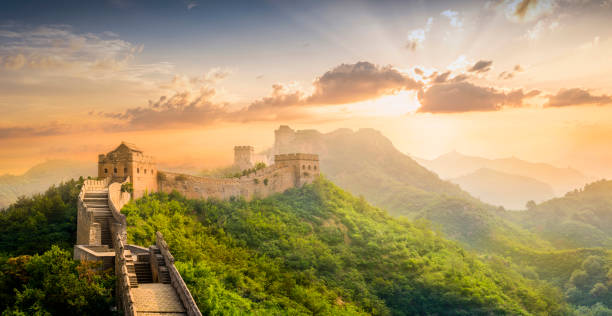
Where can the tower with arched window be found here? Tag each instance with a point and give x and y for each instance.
(128, 161)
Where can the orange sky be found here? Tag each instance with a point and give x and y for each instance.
(480, 78)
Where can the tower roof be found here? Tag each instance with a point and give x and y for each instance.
(129, 146)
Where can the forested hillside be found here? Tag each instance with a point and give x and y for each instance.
(314, 250)
(582, 218)
(320, 250)
(366, 163)
(37, 273)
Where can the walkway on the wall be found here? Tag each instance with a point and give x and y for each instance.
(147, 280)
(157, 299)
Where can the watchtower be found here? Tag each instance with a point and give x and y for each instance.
(244, 157)
(305, 166)
(127, 160)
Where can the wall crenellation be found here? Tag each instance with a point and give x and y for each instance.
(288, 171)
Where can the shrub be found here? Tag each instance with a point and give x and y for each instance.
(161, 176)
(127, 187)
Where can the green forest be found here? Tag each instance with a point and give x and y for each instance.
(312, 250)
(37, 273)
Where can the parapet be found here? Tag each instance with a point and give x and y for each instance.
(244, 148)
(296, 156)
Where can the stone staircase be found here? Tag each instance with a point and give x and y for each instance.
(129, 263)
(143, 268)
(164, 276)
(97, 201)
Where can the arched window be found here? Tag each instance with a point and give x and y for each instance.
(105, 170)
(115, 170)
(303, 167)
(124, 170)
(137, 170)
(308, 167)
(315, 167)
(145, 171)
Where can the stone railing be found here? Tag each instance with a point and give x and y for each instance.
(176, 279)
(88, 232)
(116, 201)
(123, 281)
(94, 185)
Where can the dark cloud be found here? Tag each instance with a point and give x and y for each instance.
(281, 97)
(441, 77)
(459, 78)
(436, 78)
(481, 66)
(523, 7)
(576, 96)
(418, 71)
(180, 109)
(361, 81)
(506, 75)
(510, 74)
(457, 97)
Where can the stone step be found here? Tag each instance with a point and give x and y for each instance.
(100, 210)
(143, 257)
(95, 198)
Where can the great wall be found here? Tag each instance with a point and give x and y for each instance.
(148, 283)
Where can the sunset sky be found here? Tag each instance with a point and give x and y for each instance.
(187, 80)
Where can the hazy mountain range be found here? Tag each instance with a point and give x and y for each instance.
(365, 162)
(510, 182)
(500, 188)
(38, 178)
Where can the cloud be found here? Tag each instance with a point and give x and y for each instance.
(179, 110)
(191, 4)
(416, 37)
(576, 96)
(458, 97)
(481, 66)
(361, 81)
(52, 47)
(33, 131)
(528, 10)
(15, 62)
(453, 17)
(346, 83)
(505, 75)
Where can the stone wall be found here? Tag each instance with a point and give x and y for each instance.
(262, 183)
(127, 161)
(175, 278)
(88, 232)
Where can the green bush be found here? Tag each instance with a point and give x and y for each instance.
(127, 187)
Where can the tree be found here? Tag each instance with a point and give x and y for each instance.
(531, 204)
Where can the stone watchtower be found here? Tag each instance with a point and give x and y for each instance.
(129, 161)
(244, 157)
(283, 137)
(305, 166)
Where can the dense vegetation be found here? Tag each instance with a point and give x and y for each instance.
(319, 250)
(582, 218)
(53, 284)
(37, 273)
(31, 225)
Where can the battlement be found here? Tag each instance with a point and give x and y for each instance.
(251, 148)
(296, 156)
(244, 157)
